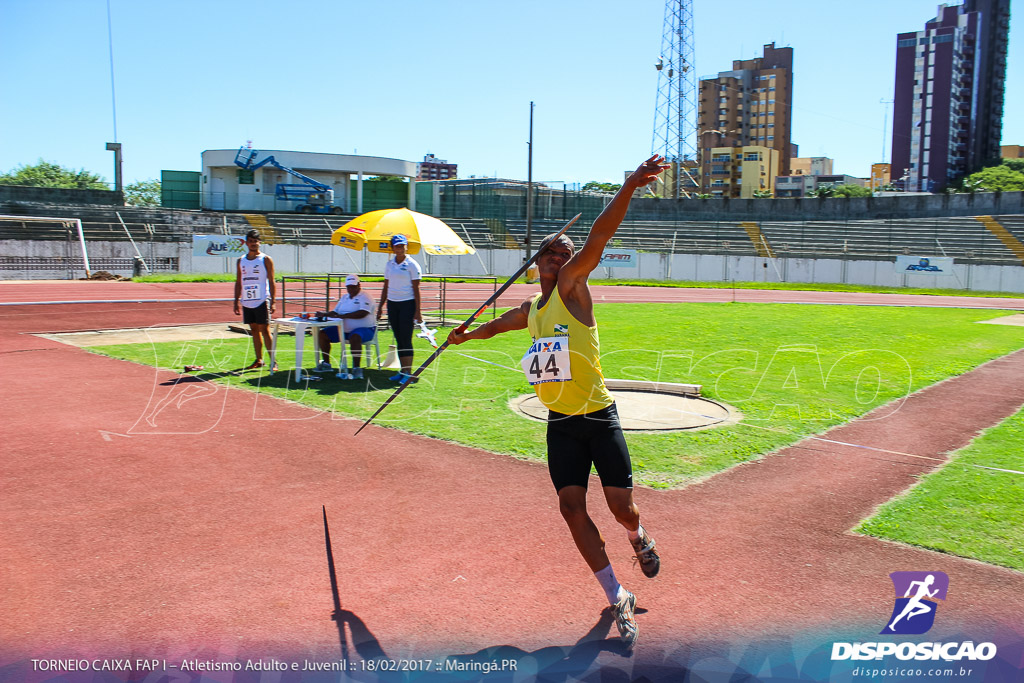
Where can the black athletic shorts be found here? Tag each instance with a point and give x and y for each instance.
(260, 315)
(575, 442)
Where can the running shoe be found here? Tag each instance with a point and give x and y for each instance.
(625, 620)
(323, 366)
(254, 365)
(357, 373)
(646, 555)
(397, 378)
(408, 378)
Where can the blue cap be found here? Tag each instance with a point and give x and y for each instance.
(399, 239)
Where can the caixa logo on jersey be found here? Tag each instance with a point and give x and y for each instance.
(917, 600)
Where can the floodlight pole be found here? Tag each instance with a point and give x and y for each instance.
(115, 147)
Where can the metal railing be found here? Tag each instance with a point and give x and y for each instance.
(312, 293)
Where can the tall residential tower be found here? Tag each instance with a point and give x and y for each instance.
(748, 106)
(948, 112)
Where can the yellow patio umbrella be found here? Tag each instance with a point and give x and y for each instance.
(376, 228)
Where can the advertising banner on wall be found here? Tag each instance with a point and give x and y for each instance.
(619, 258)
(218, 245)
(924, 265)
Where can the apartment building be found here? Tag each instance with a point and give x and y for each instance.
(742, 171)
(948, 110)
(810, 166)
(751, 105)
(795, 186)
(881, 175)
(432, 168)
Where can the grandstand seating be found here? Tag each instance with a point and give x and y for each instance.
(964, 238)
(305, 229)
(682, 237)
(959, 237)
(100, 222)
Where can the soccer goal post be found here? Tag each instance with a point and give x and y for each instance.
(66, 222)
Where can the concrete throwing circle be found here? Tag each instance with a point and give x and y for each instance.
(650, 406)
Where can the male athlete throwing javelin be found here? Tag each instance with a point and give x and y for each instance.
(563, 365)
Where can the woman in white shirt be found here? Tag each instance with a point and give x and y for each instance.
(402, 293)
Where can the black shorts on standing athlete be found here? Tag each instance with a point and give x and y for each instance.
(575, 442)
(258, 315)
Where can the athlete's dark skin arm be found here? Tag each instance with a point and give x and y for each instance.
(571, 278)
(512, 319)
(558, 266)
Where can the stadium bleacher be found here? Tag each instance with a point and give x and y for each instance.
(968, 239)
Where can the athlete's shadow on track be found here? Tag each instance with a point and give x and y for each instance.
(556, 662)
(549, 663)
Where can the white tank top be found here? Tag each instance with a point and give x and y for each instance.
(255, 287)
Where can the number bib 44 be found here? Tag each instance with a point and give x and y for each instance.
(547, 360)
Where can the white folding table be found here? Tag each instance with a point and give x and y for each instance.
(300, 326)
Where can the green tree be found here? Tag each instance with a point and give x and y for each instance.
(385, 178)
(823, 191)
(850, 191)
(48, 174)
(1014, 164)
(142, 193)
(1000, 178)
(762, 194)
(606, 188)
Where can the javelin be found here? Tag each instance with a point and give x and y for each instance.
(463, 326)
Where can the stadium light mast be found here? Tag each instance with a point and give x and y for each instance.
(675, 105)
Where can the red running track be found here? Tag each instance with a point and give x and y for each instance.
(70, 290)
(141, 517)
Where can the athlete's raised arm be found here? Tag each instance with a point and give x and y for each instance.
(587, 259)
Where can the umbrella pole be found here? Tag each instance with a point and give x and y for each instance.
(469, 321)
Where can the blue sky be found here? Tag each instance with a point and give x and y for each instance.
(402, 79)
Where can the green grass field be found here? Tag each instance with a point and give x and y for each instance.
(965, 510)
(791, 370)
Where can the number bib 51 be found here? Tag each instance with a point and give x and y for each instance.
(547, 360)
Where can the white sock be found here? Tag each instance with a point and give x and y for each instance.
(633, 535)
(611, 586)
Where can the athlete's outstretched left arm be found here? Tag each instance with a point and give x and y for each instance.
(512, 319)
(587, 259)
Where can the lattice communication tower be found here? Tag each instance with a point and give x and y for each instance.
(675, 106)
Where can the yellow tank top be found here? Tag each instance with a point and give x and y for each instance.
(586, 391)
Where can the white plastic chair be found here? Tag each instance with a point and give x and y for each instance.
(345, 350)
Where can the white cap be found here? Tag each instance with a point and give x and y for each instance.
(352, 280)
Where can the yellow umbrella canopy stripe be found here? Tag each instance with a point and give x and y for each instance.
(375, 230)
